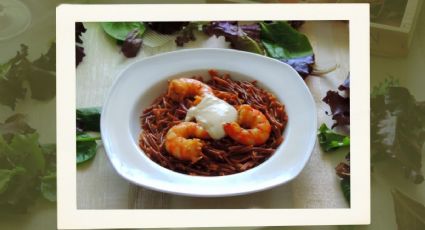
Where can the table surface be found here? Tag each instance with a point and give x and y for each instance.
(100, 187)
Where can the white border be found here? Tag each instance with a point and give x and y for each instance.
(69, 217)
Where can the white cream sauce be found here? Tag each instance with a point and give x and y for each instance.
(211, 113)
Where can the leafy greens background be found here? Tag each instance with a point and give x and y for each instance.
(387, 201)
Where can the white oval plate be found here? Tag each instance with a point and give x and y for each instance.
(139, 84)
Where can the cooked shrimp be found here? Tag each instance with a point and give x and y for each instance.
(178, 89)
(258, 127)
(178, 144)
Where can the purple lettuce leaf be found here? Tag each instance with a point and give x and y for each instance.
(241, 37)
(186, 34)
(132, 44)
(303, 65)
(167, 27)
(79, 50)
(340, 108)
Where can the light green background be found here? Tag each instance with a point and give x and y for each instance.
(41, 115)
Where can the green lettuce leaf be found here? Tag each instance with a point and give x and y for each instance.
(26, 167)
(86, 147)
(11, 78)
(88, 119)
(281, 41)
(6, 175)
(330, 141)
(39, 75)
(248, 44)
(26, 151)
(21, 163)
(49, 152)
(48, 187)
(382, 88)
(346, 189)
(15, 125)
(120, 30)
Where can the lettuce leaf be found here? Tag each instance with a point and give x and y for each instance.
(39, 74)
(48, 187)
(340, 108)
(132, 44)
(346, 188)
(167, 27)
(330, 141)
(88, 119)
(12, 77)
(398, 131)
(343, 172)
(120, 30)
(25, 165)
(187, 34)
(241, 37)
(278, 40)
(79, 49)
(86, 147)
(283, 42)
(21, 171)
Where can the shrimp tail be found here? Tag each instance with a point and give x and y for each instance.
(259, 130)
(179, 144)
(178, 89)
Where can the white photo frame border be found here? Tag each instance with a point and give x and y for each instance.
(69, 217)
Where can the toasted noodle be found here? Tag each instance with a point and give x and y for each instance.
(219, 157)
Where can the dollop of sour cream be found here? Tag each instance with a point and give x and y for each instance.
(211, 113)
